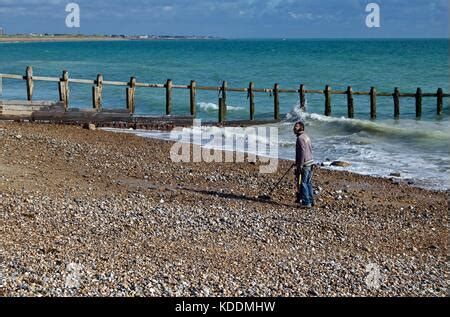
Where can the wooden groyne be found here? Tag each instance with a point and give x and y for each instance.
(62, 112)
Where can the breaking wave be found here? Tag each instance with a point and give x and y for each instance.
(411, 129)
(210, 107)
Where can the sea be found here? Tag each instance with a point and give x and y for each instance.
(417, 149)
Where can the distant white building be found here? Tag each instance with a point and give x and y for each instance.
(2, 32)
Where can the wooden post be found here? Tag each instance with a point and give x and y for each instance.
(251, 97)
(276, 102)
(373, 103)
(29, 79)
(131, 90)
(350, 103)
(419, 103)
(396, 103)
(302, 97)
(193, 93)
(169, 89)
(440, 101)
(64, 89)
(327, 93)
(97, 92)
(222, 111)
(224, 94)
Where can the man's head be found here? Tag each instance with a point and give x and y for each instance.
(299, 128)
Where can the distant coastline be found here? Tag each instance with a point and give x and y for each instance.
(73, 38)
(13, 39)
(80, 38)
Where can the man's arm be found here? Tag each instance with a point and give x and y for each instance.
(299, 157)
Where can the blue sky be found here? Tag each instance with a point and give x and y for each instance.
(231, 18)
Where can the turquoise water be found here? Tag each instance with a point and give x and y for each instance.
(418, 149)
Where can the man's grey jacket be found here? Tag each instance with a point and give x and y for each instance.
(304, 154)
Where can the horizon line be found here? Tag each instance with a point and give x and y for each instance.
(231, 37)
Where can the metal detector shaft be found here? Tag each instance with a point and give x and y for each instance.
(282, 178)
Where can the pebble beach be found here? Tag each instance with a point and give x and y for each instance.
(95, 213)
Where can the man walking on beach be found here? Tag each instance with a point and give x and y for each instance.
(304, 167)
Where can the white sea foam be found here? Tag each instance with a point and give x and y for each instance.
(210, 107)
(416, 149)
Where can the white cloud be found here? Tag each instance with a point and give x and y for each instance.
(303, 16)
